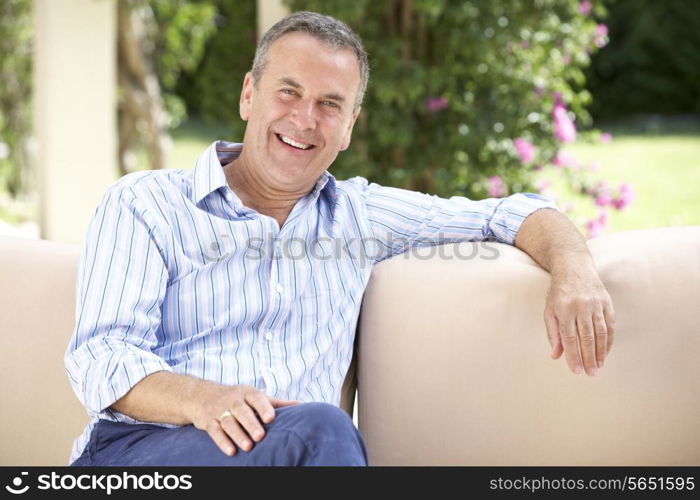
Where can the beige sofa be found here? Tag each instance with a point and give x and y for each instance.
(452, 357)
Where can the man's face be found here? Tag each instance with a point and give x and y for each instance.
(305, 97)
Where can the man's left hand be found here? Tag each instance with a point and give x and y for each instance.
(579, 317)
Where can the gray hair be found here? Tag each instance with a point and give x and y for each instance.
(334, 33)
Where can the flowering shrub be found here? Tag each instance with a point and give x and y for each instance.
(475, 98)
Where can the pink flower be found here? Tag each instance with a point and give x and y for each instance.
(594, 167)
(605, 137)
(600, 37)
(568, 207)
(585, 7)
(593, 228)
(626, 197)
(565, 160)
(600, 187)
(601, 194)
(538, 168)
(597, 225)
(604, 199)
(434, 104)
(542, 184)
(525, 149)
(564, 128)
(496, 187)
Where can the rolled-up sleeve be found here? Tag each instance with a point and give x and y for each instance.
(121, 284)
(402, 218)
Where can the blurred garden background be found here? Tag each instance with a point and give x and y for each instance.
(593, 103)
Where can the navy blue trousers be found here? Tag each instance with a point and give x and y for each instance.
(306, 434)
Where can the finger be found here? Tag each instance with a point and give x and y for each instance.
(243, 413)
(609, 314)
(261, 404)
(276, 402)
(553, 335)
(234, 430)
(217, 434)
(586, 336)
(601, 338)
(569, 337)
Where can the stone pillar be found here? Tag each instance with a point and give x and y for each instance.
(269, 12)
(75, 121)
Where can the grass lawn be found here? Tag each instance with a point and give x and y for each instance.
(662, 165)
(190, 139)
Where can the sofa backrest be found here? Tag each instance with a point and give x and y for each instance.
(41, 416)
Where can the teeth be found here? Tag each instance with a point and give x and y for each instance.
(289, 141)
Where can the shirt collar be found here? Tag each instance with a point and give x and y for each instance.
(209, 175)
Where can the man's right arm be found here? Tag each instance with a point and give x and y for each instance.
(111, 358)
(173, 398)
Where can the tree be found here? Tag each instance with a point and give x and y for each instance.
(157, 40)
(15, 92)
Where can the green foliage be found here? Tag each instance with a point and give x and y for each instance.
(498, 65)
(183, 29)
(15, 90)
(212, 90)
(652, 64)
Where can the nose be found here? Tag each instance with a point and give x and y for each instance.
(303, 115)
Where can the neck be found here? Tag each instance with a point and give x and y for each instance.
(256, 193)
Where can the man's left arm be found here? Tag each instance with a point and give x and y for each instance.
(579, 314)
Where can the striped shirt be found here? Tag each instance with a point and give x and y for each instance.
(177, 274)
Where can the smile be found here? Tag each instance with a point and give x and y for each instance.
(291, 142)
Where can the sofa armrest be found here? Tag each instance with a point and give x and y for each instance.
(454, 364)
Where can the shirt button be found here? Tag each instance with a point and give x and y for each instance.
(279, 288)
(268, 336)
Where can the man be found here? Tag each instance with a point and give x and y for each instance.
(203, 338)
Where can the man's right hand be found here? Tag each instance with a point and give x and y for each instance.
(232, 415)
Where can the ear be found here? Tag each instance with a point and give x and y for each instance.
(348, 131)
(246, 100)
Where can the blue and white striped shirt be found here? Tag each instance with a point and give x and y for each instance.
(177, 274)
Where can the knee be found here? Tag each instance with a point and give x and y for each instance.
(324, 420)
(329, 436)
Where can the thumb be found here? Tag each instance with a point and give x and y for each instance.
(553, 335)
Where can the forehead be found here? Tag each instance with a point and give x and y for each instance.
(312, 63)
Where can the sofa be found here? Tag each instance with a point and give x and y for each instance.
(451, 363)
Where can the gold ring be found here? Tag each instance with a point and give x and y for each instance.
(225, 414)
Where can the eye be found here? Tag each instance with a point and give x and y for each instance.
(330, 104)
(288, 91)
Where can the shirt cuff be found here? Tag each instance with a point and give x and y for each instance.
(512, 211)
